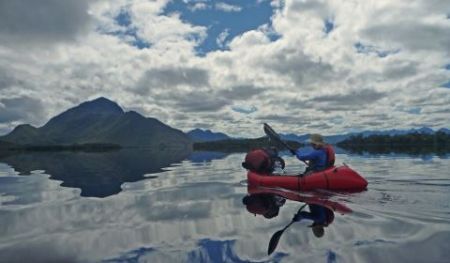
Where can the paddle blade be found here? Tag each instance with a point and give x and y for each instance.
(275, 137)
(270, 132)
(273, 243)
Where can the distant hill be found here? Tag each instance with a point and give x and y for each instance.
(199, 135)
(294, 137)
(240, 145)
(392, 132)
(100, 121)
(415, 143)
(334, 139)
(444, 130)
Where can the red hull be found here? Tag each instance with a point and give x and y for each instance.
(341, 178)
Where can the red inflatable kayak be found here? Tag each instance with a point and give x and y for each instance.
(338, 178)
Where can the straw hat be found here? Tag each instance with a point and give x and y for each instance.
(316, 139)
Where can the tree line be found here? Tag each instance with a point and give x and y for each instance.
(240, 145)
(415, 143)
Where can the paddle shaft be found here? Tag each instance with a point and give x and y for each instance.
(286, 227)
(269, 131)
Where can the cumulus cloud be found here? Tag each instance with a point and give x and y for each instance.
(198, 6)
(222, 38)
(42, 21)
(304, 80)
(164, 79)
(411, 35)
(353, 98)
(227, 7)
(20, 109)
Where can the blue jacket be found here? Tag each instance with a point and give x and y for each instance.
(317, 158)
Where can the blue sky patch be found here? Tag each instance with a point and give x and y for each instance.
(244, 109)
(328, 26)
(415, 110)
(446, 85)
(370, 49)
(123, 19)
(128, 33)
(224, 20)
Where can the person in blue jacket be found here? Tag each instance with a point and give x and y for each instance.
(320, 215)
(317, 158)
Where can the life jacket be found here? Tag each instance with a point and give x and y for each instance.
(331, 156)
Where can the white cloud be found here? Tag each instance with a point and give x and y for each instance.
(29, 22)
(198, 6)
(222, 38)
(302, 82)
(227, 7)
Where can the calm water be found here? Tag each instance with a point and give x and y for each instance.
(133, 206)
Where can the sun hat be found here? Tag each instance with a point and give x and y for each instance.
(316, 139)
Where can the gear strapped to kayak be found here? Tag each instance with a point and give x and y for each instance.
(260, 164)
(263, 160)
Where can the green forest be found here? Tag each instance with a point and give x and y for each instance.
(240, 145)
(413, 143)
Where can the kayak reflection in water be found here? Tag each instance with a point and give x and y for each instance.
(319, 215)
(268, 201)
(267, 205)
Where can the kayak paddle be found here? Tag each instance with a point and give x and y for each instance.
(273, 243)
(275, 136)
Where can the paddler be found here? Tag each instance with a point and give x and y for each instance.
(320, 215)
(320, 158)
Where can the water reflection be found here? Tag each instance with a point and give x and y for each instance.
(193, 212)
(268, 201)
(97, 174)
(206, 156)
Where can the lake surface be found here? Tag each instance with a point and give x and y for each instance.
(134, 206)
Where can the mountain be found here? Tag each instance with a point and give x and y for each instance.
(99, 121)
(199, 135)
(423, 130)
(333, 139)
(444, 130)
(295, 138)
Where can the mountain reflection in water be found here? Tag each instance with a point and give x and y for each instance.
(97, 174)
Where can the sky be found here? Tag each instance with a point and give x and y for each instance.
(303, 66)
